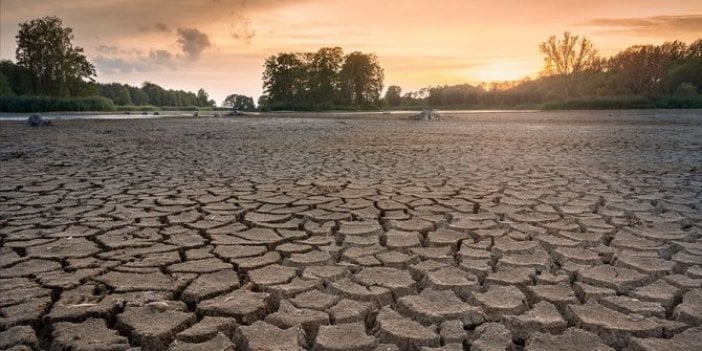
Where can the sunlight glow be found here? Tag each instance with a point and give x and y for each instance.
(502, 71)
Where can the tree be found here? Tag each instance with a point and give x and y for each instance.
(568, 58)
(324, 67)
(393, 97)
(239, 102)
(571, 55)
(643, 68)
(203, 99)
(361, 79)
(284, 79)
(56, 67)
(18, 78)
(5, 89)
(139, 97)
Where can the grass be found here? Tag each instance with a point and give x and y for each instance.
(52, 104)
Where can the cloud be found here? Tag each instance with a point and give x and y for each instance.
(107, 49)
(157, 27)
(193, 42)
(125, 63)
(655, 25)
(241, 29)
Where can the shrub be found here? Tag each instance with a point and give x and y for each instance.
(131, 108)
(50, 104)
(601, 103)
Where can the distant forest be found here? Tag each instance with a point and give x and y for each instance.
(50, 74)
(575, 76)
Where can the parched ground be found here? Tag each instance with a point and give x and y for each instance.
(496, 231)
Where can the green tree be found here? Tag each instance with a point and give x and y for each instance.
(203, 99)
(393, 97)
(284, 80)
(361, 79)
(138, 96)
(57, 68)
(568, 58)
(156, 94)
(570, 55)
(5, 89)
(643, 68)
(239, 102)
(18, 78)
(324, 67)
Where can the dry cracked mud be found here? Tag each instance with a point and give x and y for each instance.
(495, 231)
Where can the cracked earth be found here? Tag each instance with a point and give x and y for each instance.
(523, 231)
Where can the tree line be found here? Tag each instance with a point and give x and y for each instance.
(52, 74)
(322, 80)
(575, 75)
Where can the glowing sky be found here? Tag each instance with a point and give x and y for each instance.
(220, 45)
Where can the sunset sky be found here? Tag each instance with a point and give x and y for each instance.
(220, 45)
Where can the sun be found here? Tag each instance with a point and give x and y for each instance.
(502, 71)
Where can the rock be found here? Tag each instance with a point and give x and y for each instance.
(154, 326)
(434, 306)
(91, 335)
(242, 304)
(613, 327)
(399, 282)
(273, 274)
(405, 333)
(37, 121)
(572, 340)
(543, 317)
(343, 337)
(451, 278)
(690, 310)
(659, 291)
(491, 337)
(452, 332)
(618, 278)
(207, 328)
(209, 285)
(499, 300)
(261, 336)
(220, 342)
(587, 292)
(560, 295)
(628, 305)
(349, 311)
(289, 316)
(315, 299)
(19, 335)
(380, 296)
(427, 115)
(689, 340)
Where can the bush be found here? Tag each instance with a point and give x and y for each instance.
(131, 108)
(51, 104)
(675, 101)
(601, 103)
(181, 108)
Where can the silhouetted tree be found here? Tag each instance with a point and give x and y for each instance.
(569, 57)
(5, 89)
(203, 99)
(324, 67)
(361, 79)
(393, 97)
(239, 102)
(57, 68)
(18, 78)
(284, 80)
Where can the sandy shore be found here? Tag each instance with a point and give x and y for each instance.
(353, 231)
